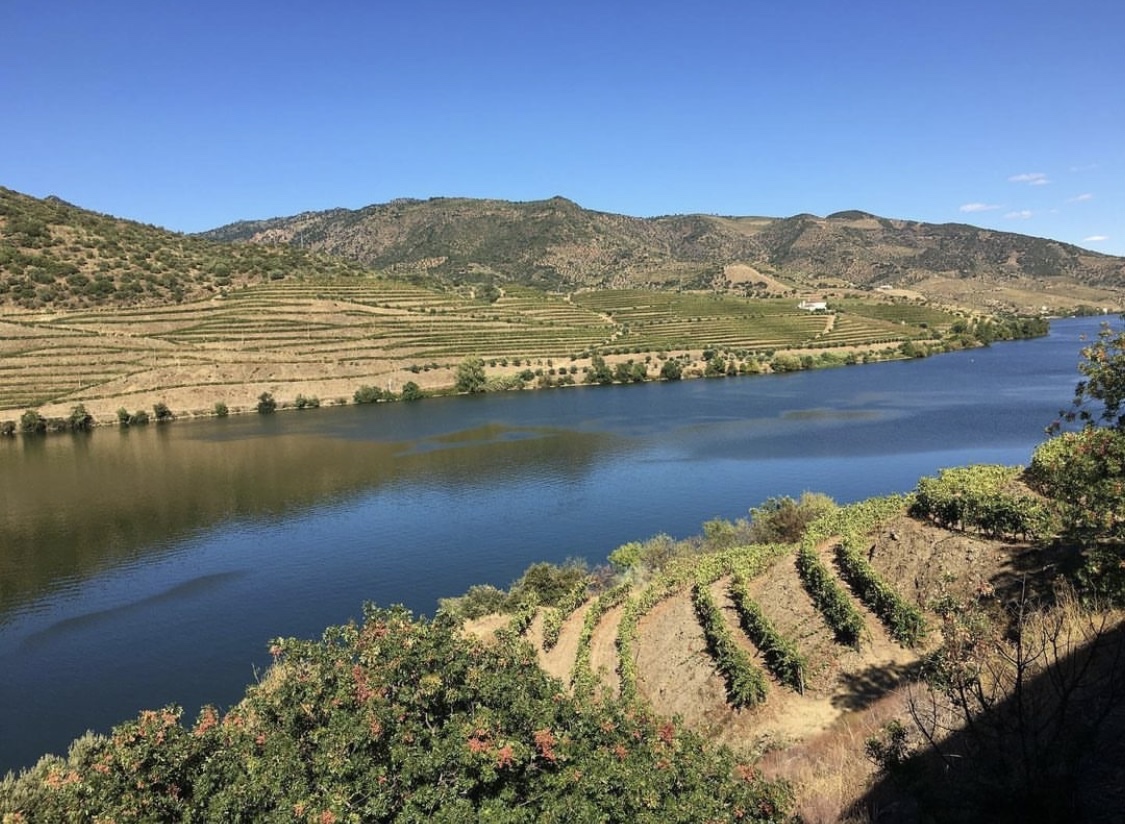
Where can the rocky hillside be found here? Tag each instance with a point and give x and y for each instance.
(555, 243)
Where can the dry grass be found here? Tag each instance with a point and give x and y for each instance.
(830, 771)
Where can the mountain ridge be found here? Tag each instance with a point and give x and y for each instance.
(557, 244)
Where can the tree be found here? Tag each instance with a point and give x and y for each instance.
(1083, 473)
(1100, 395)
(266, 403)
(671, 370)
(470, 376)
(161, 412)
(31, 422)
(600, 372)
(80, 420)
(411, 391)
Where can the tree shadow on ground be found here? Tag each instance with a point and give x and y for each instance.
(859, 690)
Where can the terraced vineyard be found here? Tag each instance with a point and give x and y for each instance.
(737, 644)
(280, 338)
(670, 320)
(325, 338)
(653, 641)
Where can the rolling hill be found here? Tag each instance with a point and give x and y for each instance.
(556, 244)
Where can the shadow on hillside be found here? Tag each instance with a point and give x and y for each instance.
(1033, 568)
(862, 689)
(1053, 751)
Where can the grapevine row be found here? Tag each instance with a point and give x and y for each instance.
(781, 655)
(746, 684)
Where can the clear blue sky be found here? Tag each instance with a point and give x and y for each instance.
(190, 115)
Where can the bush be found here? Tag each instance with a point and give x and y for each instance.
(398, 720)
(1083, 476)
(32, 423)
(368, 394)
(478, 601)
(783, 520)
(411, 392)
(221, 410)
(266, 404)
(983, 497)
(80, 420)
(161, 412)
(548, 584)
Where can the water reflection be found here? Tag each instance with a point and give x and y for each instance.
(77, 506)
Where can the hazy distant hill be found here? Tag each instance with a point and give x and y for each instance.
(557, 243)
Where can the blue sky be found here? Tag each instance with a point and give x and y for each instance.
(190, 115)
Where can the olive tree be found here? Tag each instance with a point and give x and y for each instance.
(470, 376)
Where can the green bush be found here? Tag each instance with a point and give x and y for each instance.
(266, 404)
(784, 520)
(983, 497)
(32, 423)
(1083, 476)
(398, 720)
(411, 392)
(368, 394)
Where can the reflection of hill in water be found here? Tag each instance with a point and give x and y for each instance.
(75, 506)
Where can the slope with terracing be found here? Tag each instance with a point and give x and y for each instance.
(804, 680)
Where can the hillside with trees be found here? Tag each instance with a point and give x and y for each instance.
(555, 244)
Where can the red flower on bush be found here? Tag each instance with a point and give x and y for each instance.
(504, 756)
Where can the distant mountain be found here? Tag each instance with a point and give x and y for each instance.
(55, 254)
(555, 243)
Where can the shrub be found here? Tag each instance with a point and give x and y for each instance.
(31, 422)
(411, 392)
(548, 584)
(266, 404)
(784, 520)
(368, 394)
(161, 412)
(80, 420)
(1083, 476)
(398, 720)
(221, 410)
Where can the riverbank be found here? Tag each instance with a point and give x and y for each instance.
(219, 399)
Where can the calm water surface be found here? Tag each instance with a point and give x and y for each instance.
(149, 567)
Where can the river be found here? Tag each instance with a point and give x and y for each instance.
(151, 566)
